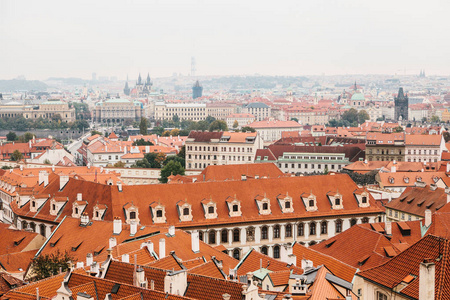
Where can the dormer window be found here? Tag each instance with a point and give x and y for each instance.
(56, 204)
(335, 200)
(210, 209)
(77, 208)
(158, 212)
(391, 180)
(263, 204)
(406, 179)
(309, 200)
(99, 211)
(131, 213)
(184, 211)
(53, 206)
(363, 199)
(234, 206)
(285, 202)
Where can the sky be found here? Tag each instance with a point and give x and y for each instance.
(41, 39)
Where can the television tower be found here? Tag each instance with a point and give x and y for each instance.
(193, 68)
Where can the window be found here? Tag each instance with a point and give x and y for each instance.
(265, 206)
(323, 227)
(132, 215)
(288, 230)
(311, 203)
(264, 250)
(276, 232)
(352, 222)
(365, 220)
(337, 201)
(224, 235)
(381, 296)
(210, 209)
(236, 235)
(235, 208)
(53, 207)
(276, 251)
(312, 228)
(186, 211)
(264, 233)
(159, 213)
(301, 229)
(338, 226)
(212, 237)
(364, 200)
(200, 235)
(287, 204)
(236, 253)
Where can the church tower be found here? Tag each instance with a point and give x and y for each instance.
(401, 106)
(126, 89)
(197, 90)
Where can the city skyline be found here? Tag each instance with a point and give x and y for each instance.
(52, 39)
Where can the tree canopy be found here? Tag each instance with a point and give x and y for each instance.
(48, 265)
(143, 126)
(218, 125)
(172, 168)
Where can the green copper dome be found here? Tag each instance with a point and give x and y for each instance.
(358, 97)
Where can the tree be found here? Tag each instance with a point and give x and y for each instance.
(28, 136)
(175, 132)
(350, 115)
(294, 119)
(172, 168)
(182, 152)
(94, 132)
(16, 156)
(446, 135)
(119, 164)
(57, 118)
(363, 116)
(158, 130)
(142, 142)
(48, 265)
(210, 119)
(235, 124)
(11, 136)
(398, 129)
(248, 129)
(434, 119)
(184, 132)
(175, 119)
(218, 125)
(143, 126)
(47, 162)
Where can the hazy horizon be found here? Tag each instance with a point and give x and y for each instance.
(42, 39)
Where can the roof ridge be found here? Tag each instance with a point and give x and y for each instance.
(329, 256)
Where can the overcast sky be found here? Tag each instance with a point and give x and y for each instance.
(42, 38)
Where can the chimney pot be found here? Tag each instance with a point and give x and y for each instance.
(117, 225)
(195, 241)
(427, 218)
(162, 248)
(172, 230)
(133, 227)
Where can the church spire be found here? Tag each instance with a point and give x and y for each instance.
(139, 79)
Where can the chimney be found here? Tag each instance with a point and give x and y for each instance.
(140, 278)
(89, 259)
(80, 264)
(427, 218)
(172, 230)
(195, 241)
(162, 248)
(133, 227)
(365, 161)
(53, 168)
(147, 149)
(88, 165)
(175, 282)
(307, 264)
(126, 258)
(226, 296)
(388, 228)
(63, 179)
(148, 245)
(447, 169)
(112, 242)
(101, 169)
(394, 162)
(21, 167)
(243, 177)
(393, 169)
(119, 186)
(152, 284)
(287, 255)
(84, 220)
(79, 197)
(41, 176)
(125, 150)
(427, 270)
(117, 225)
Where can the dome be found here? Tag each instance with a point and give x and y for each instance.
(358, 97)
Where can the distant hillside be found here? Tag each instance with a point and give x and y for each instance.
(21, 85)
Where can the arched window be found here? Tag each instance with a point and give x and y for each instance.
(324, 227)
(250, 234)
(200, 235)
(236, 253)
(212, 237)
(132, 215)
(210, 209)
(338, 226)
(312, 228)
(288, 230)
(224, 236)
(24, 225)
(236, 235)
(159, 213)
(33, 227)
(264, 233)
(264, 250)
(365, 220)
(312, 243)
(276, 251)
(276, 232)
(186, 211)
(301, 229)
(352, 222)
(42, 229)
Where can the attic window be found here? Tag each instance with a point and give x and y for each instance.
(287, 204)
(364, 200)
(328, 245)
(337, 201)
(76, 247)
(159, 213)
(55, 242)
(235, 208)
(311, 203)
(265, 206)
(115, 288)
(17, 243)
(53, 207)
(210, 209)
(133, 215)
(186, 211)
